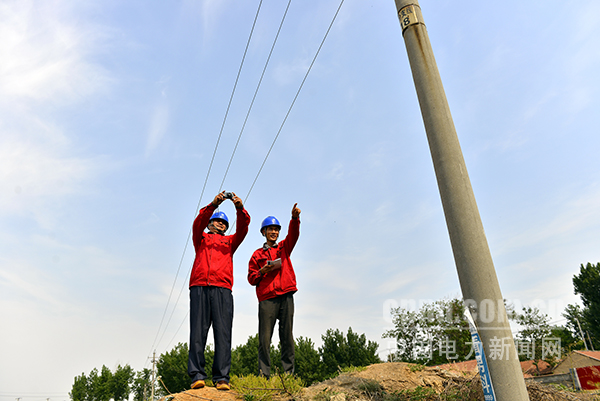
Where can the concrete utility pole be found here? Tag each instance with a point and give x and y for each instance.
(582, 336)
(153, 374)
(474, 264)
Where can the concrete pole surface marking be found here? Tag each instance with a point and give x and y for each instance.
(476, 272)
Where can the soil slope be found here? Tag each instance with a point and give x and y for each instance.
(393, 378)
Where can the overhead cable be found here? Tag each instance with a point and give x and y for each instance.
(239, 137)
(255, 93)
(294, 101)
(207, 176)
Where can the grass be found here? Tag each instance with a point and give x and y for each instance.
(325, 395)
(259, 388)
(371, 388)
(414, 367)
(353, 369)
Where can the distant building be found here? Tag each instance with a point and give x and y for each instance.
(578, 359)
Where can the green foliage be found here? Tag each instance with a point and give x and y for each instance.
(99, 384)
(574, 313)
(567, 340)
(244, 358)
(259, 388)
(370, 388)
(587, 285)
(418, 394)
(339, 351)
(344, 352)
(79, 392)
(103, 386)
(172, 368)
(353, 369)
(535, 328)
(120, 385)
(308, 361)
(325, 395)
(375, 391)
(415, 367)
(141, 385)
(435, 334)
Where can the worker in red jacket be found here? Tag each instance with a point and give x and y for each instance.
(211, 301)
(270, 270)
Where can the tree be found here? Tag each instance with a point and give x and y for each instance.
(339, 351)
(308, 362)
(172, 368)
(244, 358)
(104, 386)
(141, 385)
(437, 333)
(120, 385)
(99, 385)
(575, 320)
(587, 285)
(536, 329)
(79, 392)
(567, 341)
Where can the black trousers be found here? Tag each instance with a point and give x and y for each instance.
(269, 311)
(210, 305)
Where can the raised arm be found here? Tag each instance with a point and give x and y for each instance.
(201, 221)
(242, 222)
(293, 230)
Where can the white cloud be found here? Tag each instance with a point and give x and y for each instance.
(336, 172)
(575, 216)
(43, 57)
(287, 73)
(211, 11)
(158, 126)
(36, 167)
(45, 66)
(28, 282)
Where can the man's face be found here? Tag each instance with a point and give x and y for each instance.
(217, 226)
(272, 233)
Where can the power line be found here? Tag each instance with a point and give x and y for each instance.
(295, 97)
(26, 394)
(242, 130)
(236, 145)
(210, 167)
(256, 92)
(235, 148)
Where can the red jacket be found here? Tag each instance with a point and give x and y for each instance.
(280, 281)
(213, 265)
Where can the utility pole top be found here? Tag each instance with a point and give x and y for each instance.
(403, 3)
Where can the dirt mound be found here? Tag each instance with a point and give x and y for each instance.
(393, 377)
(400, 381)
(206, 393)
(388, 381)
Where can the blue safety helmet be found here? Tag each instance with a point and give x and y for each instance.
(269, 221)
(220, 216)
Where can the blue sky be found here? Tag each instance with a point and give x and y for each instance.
(109, 116)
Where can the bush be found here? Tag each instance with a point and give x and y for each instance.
(259, 388)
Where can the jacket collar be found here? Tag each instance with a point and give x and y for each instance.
(266, 246)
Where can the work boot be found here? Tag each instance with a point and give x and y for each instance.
(198, 384)
(222, 385)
